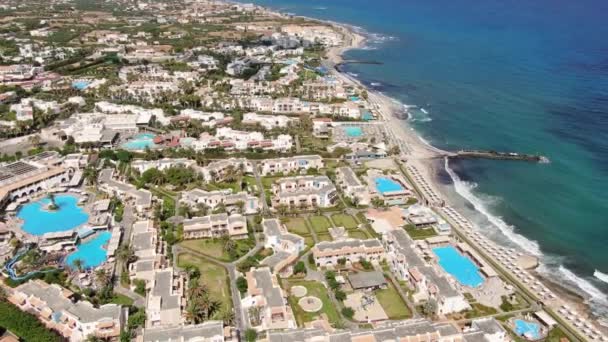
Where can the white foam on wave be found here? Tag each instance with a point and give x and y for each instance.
(601, 276)
(320, 8)
(584, 285)
(465, 189)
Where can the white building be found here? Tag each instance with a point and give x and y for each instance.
(304, 191)
(290, 164)
(352, 187)
(212, 199)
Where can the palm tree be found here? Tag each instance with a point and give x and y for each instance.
(90, 174)
(126, 254)
(53, 205)
(102, 277)
(79, 264)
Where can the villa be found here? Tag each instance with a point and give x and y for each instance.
(56, 308)
(420, 329)
(286, 246)
(408, 265)
(290, 164)
(145, 244)
(265, 293)
(423, 217)
(141, 197)
(352, 187)
(328, 253)
(161, 164)
(215, 226)
(211, 199)
(267, 121)
(304, 191)
(217, 170)
(209, 331)
(164, 300)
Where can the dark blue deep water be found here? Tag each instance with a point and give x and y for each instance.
(524, 76)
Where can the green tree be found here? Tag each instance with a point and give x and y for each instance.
(299, 268)
(348, 312)
(251, 335)
(241, 284)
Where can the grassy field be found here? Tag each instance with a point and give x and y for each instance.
(320, 224)
(357, 234)
(393, 304)
(314, 289)
(297, 225)
(420, 234)
(122, 300)
(309, 241)
(215, 247)
(324, 237)
(212, 275)
(343, 220)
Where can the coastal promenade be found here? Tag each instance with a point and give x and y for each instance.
(416, 161)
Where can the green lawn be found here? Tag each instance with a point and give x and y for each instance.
(324, 237)
(267, 181)
(346, 221)
(309, 241)
(297, 225)
(320, 224)
(314, 289)
(212, 275)
(392, 303)
(215, 248)
(357, 234)
(420, 234)
(122, 300)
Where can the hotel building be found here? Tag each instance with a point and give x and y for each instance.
(216, 225)
(56, 308)
(352, 187)
(290, 164)
(327, 253)
(264, 292)
(304, 191)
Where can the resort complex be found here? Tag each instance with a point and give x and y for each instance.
(201, 171)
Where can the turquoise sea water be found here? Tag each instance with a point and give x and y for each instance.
(522, 76)
(459, 266)
(92, 252)
(384, 184)
(38, 221)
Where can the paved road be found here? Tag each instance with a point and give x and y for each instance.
(258, 181)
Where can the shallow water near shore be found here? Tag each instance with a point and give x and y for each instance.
(528, 77)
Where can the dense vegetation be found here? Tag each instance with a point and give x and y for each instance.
(24, 325)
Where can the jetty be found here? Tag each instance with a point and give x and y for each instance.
(480, 154)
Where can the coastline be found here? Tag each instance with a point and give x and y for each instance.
(427, 159)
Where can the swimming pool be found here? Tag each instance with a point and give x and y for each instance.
(92, 253)
(80, 85)
(140, 142)
(384, 185)
(529, 330)
(38, 221)
(459, 266)
(353, 131)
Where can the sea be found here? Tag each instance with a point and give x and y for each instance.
(508, 75)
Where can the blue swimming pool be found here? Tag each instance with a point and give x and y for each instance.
(459, 266)
(529, 330)
(80, 85)
(353, 131)
(385, 184)
(92, 252)
(38, 221)
(140, 142)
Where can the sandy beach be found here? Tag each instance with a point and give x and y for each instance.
(425, 158)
